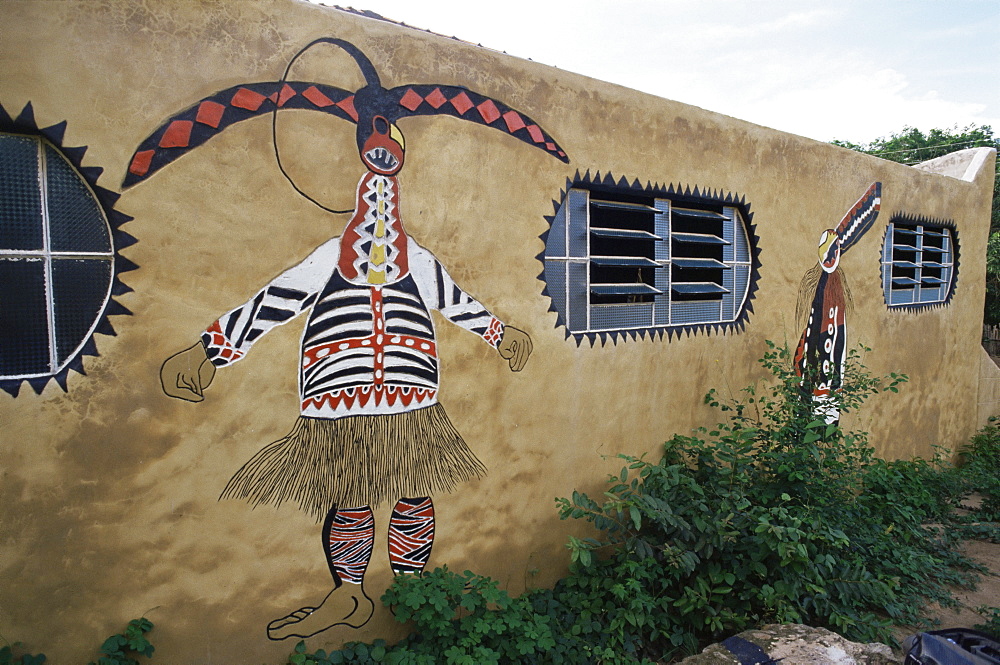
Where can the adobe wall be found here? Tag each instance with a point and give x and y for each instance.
(110, 489)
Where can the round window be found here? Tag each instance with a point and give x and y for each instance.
(58, 258)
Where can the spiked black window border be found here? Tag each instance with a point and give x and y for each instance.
(919, 220)
(608, 184)
(25, 124)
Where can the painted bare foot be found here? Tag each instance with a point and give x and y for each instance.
(347, 605)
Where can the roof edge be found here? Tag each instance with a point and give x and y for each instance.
(962, 164)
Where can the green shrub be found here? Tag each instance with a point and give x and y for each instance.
(10, 655)
(117, 650)
(122, 648)
(992, 625)
(915, 490)
(462, 619)
(774, 516)
(979, 461)
(771, 516)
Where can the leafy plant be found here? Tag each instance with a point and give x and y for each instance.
(979, 462)
(992, 625)
(116, 650)
(8, 656)
(460, 619)
(121, 648)
(773, 516)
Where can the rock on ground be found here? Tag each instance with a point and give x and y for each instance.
(795, 644)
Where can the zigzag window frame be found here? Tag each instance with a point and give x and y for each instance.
(655, 309)
(67, 341)
(918, 250)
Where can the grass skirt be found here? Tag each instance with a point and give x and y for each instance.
(358, 461)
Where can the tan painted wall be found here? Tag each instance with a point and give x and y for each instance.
(989, 389)
(109, 492)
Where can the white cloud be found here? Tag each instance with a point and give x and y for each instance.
(831, 98)
(851, 70)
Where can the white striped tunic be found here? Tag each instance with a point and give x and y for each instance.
(366, 349)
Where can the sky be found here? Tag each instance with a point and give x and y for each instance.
(853, 70)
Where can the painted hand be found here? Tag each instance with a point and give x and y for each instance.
(185, 375)
(515, 347)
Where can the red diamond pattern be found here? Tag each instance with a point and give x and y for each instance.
(550, 146)
(488, 110)
(140, 163)
(513, 120)
(287, 93)
(436, 98)
(313, 94)
(536, 134)
(247, 99)
(411, 100)
(461, 102)
(347, 105)
(210, 113)
(178, 134)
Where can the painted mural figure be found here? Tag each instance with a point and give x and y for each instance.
(821, 355)
(371, 431)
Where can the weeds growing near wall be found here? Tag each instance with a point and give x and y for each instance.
(771, 516)
(776, 516)
(992, 625)
(119, 649)
(762, 519)
(979, 463)
(125, 647)
(11, 654)
(460, 619)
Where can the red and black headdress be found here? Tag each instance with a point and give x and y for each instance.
(199, 123)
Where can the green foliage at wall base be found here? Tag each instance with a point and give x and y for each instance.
(10, 655)
(121, 649)
(978, 462)
(771, 516)
(777, 516)
(118, 649)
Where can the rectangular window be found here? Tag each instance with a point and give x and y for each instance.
(626, 260)
(918, 263)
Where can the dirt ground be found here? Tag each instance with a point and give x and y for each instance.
(986, 593)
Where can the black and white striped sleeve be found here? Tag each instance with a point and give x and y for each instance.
(462, 309)
(288, 295)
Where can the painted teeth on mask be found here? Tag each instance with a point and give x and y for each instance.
(382, 158)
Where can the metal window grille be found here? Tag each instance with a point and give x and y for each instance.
(56, 259)
(618, 261)
(918, 263)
